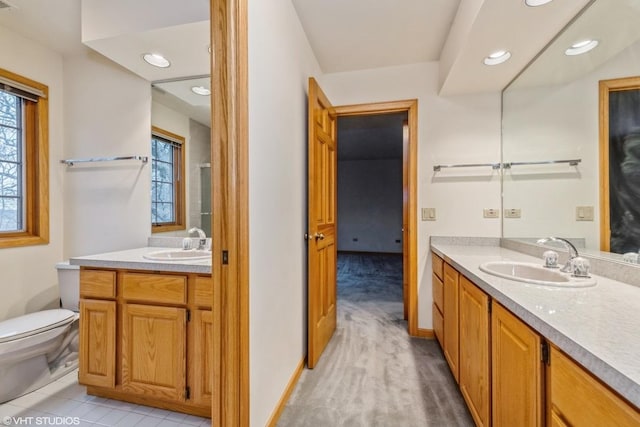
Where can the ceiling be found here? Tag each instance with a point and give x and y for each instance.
(345, 35)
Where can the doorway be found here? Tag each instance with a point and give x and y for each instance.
(409, 111)
(369, 204)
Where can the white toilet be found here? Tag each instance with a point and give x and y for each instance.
(38, 348)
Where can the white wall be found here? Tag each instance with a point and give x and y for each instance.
(280, 61)
(28, 280)
(107, 113)
(370, 205)
(460, 129)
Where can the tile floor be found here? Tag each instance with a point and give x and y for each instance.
(65, 402)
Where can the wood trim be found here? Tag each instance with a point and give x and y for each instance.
(179, 178)
(230, 225)
(425, 333)
(291, 385)
(410, 171)
(606, 86)
(37, 169)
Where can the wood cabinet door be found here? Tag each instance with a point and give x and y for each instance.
(450, 314)
(576, 398)
(153, 351)
(97, 361)
(517, 371)
(474, 365)
(201, 357)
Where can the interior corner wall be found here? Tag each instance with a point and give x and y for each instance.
(280, 62)
(107, 113)
(370, 205)
(456, 129)
(199, 153)
(29, 280)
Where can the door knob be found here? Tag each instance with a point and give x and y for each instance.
(319, 236)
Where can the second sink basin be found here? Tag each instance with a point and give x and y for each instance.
(534, 273)
(178, 255)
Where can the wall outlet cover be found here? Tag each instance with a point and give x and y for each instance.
(491, 213)
(512, 213)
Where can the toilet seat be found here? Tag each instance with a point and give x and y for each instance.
(34, 323)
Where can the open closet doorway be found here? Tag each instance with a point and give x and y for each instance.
(370, 210)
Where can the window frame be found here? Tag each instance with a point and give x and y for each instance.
(36, 168)
(179, 183)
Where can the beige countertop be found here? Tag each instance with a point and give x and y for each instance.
(597, 326)
(133, 259)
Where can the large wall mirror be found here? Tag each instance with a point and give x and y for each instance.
(552, 122)
(181, 101)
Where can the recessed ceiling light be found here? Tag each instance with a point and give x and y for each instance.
(156, 60)
(581, 47)
(535, 3)
(497, 57)
(200, 90)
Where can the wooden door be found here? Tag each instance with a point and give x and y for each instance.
(474, 351)
(450, 313)
(153, 351)
(201, 357)
(97, 343)
(322, 223)
(516, 371)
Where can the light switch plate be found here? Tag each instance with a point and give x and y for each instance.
(512, 213)
(491, 213)
(584, 213)
(428, 214)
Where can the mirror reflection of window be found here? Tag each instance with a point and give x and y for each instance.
(167, 181)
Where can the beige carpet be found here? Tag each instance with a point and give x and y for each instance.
(372, 373)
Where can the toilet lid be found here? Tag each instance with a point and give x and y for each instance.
(34, 323)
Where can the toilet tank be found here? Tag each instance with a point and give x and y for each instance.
(69, 285)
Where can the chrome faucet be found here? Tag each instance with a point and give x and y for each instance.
(202, 238)
(573, 252)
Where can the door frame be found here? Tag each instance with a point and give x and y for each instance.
(409, 205)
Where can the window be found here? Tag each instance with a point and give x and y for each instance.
(167, 181)
(24, 168)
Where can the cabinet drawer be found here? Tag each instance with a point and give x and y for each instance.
(438, 323)
(159, 288)
(97, 284)
(438, 265)
(438, 292)
(204, 291)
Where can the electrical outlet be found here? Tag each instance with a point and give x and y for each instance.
(428, 214)
(512, 213)
(491, 213)
(584, 213)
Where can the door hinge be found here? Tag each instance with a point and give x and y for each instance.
(225, 257)
(187, 393)
(306, 236)
(188, 313)
(544, 353)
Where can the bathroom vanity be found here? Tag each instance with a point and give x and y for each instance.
(145, 330)
(534, 355)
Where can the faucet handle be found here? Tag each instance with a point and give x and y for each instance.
(186, 243)
(580, 267)
(550, 259)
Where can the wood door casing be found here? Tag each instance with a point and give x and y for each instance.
(154, 343)
(322, 222)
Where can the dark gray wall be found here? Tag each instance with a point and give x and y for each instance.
(370, 205)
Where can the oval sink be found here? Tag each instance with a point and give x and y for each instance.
(178, 255)
(534, 273)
